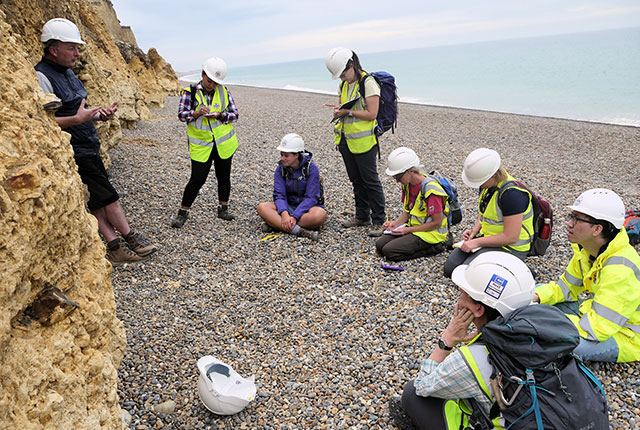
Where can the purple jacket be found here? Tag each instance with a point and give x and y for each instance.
(294, 189)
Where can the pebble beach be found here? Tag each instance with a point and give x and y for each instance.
(328, 334)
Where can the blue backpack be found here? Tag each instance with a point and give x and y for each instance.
(388, 109)
(632, 225)
(455, 210)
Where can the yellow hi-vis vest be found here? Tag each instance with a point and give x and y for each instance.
(457, 411)
(493, 223)
(613, 279)
(418, 212)
(203, 132)
(358, 132)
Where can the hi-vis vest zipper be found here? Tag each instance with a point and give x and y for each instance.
(203, 132)
(358, 133)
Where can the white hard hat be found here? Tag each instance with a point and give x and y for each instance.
(479, 166)
(400, 160)
(221, 389)
(61, 29)
(497, 279)
(337, 60)
(601, 204)
(216, 69)
(291, 143)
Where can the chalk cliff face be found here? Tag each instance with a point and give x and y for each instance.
(60, 340)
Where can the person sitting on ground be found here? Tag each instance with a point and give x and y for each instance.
(298, 206)
(422, 229)
(505, 220)
(448, 375)
(61, 39)
(606, 266)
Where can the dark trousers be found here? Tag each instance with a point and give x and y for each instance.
(426, 412)
(399, 248)
(199, 174)
(367, 188)
(458, 257)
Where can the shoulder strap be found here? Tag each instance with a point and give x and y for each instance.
(192, 91)
(361, 85)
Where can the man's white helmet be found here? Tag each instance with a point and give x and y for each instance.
(61, 29)
(400, 160)
(221, 389)
(291, 143)
(497, 279)
(216, 69)
(601, 204)
(479, 166)
(337, 60)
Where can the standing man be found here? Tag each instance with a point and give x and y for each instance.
(61, 38)
(208, 109)
(607, 267)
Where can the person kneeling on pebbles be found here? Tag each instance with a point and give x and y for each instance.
(422, 229)
(298, 203)
(607, 267)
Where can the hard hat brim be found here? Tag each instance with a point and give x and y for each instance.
(213, 78)
(474, 184)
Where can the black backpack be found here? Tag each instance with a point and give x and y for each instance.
(388, 108)
(538, 383)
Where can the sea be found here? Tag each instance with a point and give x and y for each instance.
(591, 76)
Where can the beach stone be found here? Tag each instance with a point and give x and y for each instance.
(167, 407)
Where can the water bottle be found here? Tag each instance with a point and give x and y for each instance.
(546, 228)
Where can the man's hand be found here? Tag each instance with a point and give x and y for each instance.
(83, 114)
(287, 221)
(106, 114)
(202, 111)
(456, 331)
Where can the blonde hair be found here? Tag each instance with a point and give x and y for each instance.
(501, 174)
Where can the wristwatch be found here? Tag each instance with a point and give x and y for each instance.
(443, 345)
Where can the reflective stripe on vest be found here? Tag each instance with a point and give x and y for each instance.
(493, 222)
(358, 132)
(418, 212)
(203, 132)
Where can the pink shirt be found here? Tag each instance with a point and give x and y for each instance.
(435, 204)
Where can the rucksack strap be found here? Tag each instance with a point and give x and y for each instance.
(192, 88)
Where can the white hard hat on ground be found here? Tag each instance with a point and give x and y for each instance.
(497, 279)
(216, 69)
(601, 204)
(221, 389)
(291, 143)
(337, 60)
(400, 160)
(61, 29)
(479, 166)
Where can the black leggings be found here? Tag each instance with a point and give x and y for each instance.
(426, 412)
(199, 174)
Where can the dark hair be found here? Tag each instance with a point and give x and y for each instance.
(356, 65)
(489, 312)
(49, 43)
(609, 231)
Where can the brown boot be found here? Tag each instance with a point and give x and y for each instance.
(139, 244)
(118, 253)
(311, 234)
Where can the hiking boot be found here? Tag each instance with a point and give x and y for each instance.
(223, 213)
(139, 244)
(266, 228)
(355, 222)
(399, 416)
(180, 219)
(118, 253)
(376, 230)
(311, 234)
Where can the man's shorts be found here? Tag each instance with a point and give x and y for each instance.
(94, 175)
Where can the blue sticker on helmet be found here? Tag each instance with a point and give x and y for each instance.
(495, 287)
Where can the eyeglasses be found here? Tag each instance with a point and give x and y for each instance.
(399, 176)
(573, 219)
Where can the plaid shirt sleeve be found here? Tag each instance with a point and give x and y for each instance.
(185, 113)
(451, 379)
(231, 115)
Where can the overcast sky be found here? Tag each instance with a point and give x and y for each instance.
(249, 32)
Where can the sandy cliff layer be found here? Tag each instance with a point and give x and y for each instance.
(60, 340)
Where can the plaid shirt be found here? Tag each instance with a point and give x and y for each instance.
(185, 113)
(451, 379)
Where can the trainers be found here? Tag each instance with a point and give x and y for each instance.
(118, 253)
(223, 213)
(399, 416)
(355, 222)
(180, 219)
(376, 230)
(311, 234)
(266, 228)
(139, 244)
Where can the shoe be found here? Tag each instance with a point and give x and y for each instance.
(266, 228)
(354, 222)
(139, 244)
(223, 213)
(180, 219)
(311, 234)
(399, 416)
(118, 253)
(376, 230)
